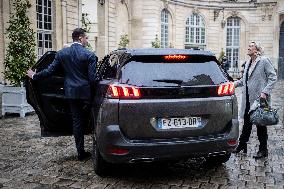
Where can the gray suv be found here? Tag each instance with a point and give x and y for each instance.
(149, 105)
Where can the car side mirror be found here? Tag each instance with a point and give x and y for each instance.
(224, 59)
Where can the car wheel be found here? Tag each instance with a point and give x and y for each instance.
(217, 160)
(100, 165)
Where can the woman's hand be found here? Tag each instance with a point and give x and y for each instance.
(263, 95)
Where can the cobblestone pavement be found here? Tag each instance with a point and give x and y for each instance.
(29, 161)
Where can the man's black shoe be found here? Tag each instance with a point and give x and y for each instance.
(261, 154)
(84, 156)
(241, 147)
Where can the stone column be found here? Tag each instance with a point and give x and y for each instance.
(102, 48)
(2, 41)
(64, 21)
(6, 9)
(79, 13)
(136, 7)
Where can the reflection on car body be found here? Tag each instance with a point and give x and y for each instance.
(149, 105)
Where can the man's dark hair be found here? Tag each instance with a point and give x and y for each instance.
(78, 32)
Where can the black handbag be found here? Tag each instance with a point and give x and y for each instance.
(264, 115)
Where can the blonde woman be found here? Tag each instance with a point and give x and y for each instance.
(257, 82)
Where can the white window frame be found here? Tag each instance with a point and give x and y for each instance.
(165, 28)
(44, 27)
(233, 42)
(195, 31)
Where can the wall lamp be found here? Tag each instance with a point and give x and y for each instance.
(102, 2)
(216, 15)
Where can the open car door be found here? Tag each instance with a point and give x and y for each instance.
(47, 98)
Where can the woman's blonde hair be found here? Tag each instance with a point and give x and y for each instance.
(258, 47)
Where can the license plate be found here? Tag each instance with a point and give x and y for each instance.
(177, 123)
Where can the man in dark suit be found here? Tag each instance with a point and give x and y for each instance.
(79, 67)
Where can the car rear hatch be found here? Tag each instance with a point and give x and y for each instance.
(176, 98)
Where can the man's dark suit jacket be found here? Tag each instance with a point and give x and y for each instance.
(79, 67)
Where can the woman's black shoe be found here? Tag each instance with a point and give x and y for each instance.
(261, 154)
(241, 147)
(83, 156)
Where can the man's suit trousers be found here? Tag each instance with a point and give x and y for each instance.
(79, 123)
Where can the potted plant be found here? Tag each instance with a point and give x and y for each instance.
(20, 56)
(124, 41)
(156, 43)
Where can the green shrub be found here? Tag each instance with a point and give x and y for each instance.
(156, 43)
(221, 56)
(20, 54)
(124, 41)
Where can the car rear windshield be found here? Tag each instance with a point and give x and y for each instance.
(171, 74)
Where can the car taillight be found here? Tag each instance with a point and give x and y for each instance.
(232, 142)
(175, 57)
(226, 89)
(123, 91)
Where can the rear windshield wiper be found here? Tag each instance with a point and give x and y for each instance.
(175, 81)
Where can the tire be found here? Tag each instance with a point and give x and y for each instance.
(217, 160)
(101, 167)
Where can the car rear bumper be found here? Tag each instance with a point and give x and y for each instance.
(111, 139)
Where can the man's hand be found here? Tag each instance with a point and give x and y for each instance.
(263, 95)
(30, 73)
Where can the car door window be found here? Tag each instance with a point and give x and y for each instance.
(46, 60)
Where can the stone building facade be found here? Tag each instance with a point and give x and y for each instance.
(212, 25)
(219, 25)
(52, 20)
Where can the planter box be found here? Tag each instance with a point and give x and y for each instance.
(14, 101)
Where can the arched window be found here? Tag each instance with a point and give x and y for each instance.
(164, 28)
(233, 42)
(195, 32)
